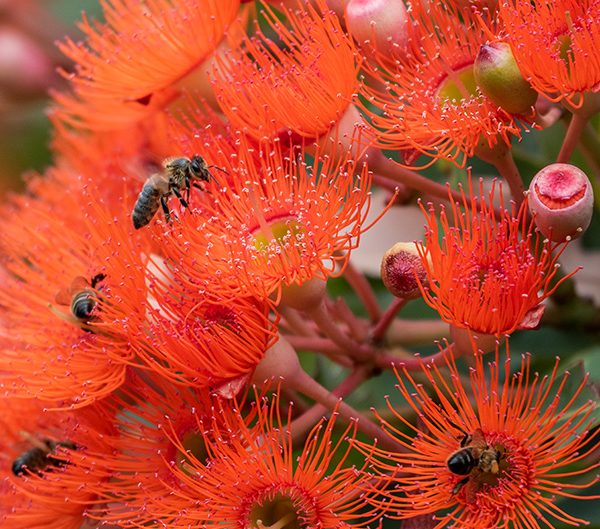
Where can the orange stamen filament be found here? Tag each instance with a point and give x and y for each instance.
(265, 227)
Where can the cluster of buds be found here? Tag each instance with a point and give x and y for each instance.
(167, 283)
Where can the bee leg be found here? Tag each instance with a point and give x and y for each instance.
(181, 199)
(188, 188)
(165, 208)
(466, 437)
(201, 187)
(97, 278)
(459, 485)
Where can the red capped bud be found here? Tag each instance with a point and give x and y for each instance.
(306, 296)
(500, 79)
(400, 267)
(379, 24)
(280, 362)
(24, 66)
(561, 201)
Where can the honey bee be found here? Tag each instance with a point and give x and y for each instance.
(178, 174)
(474, 455)
(40, 458)
(81, 297)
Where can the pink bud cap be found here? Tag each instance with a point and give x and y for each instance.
(561, 201)
(379, 24)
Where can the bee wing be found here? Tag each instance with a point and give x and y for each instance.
(478, 440)
(79, 283)
(65, 295)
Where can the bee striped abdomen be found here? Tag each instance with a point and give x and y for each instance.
(462, 462)
(147, 205)
(83, 304)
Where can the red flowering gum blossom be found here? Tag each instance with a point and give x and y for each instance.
(488, 271)
(561, 200)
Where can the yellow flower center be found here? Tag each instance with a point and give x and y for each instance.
(459, 84)
(280, 232)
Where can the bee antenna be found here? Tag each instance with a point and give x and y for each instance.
(216, 167)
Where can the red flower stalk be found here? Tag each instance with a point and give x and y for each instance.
(269, 220)
(427, 100)
(303, 86)
(67, 261)
(130, 63)
(487, 271)
(565, 36)
(531, 441)
(253, 477)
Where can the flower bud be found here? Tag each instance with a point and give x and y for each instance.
(561, 201)
(379, 24)
(400, 267)
(24, 66)
(280, 362)
(500, 79)
(306, 296)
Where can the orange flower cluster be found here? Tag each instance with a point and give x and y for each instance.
(214, 164)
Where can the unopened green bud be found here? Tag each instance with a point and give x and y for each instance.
(500, 79)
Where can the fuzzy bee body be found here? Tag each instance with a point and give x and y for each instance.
(178, 175)
(462, 462)
(40, 458)
(81, 297)
(148, 201)
(474, 456)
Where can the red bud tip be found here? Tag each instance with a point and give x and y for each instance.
(561, 200)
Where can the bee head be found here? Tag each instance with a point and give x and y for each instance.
(198, 167)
